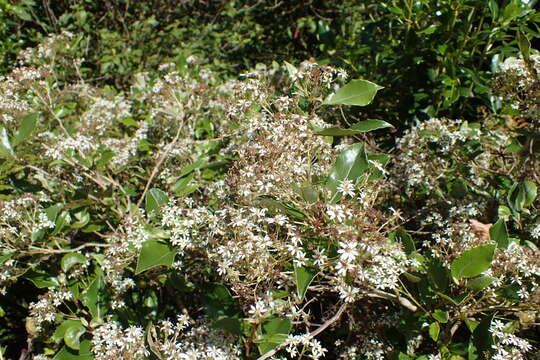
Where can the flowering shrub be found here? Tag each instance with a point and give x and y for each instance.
(192, 218)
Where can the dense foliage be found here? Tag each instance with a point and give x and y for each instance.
(260, 179)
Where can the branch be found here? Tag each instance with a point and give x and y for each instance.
(159, 163)
(312, 334)
(401, 300)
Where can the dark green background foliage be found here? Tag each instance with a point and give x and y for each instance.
(428, 54)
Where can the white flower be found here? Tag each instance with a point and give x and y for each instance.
(346, 187)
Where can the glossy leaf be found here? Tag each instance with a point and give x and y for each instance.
(183, 187)
(154, 253)
(84, 352)
(356, 92)
(473, 262)
(154, 199)
(28, 124)
(93, 298)
(303, 277)
(482, 337)
(440, 316)
(6, 151)
(522, 195)
(41, 279)
(370, 125)
(72, 259)
(481, 282)
(73, 334)
(434, 330)
(499, 233)
(406, 240)
(274, 332)
(351, 163)
(60, 330)
(336, 131)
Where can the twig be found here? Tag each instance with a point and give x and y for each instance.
(158, 165)
(384, 295)
(312, 334)
(66, 251)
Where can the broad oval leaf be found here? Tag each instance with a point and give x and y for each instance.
(473, 262)
(274, 332)
(154, 253)
(499, 233)
(303, 277)
(60, 330)
(41, 279)
(350, 164)
(154, 199)
(336, 131)
(93, 298)
(70, 260)
(84, 352)
(28, 123)
(481, 282)
(6, 151)
(440, 316)
(370, 125)
(356, 92)
(73, 334)
(434, 330)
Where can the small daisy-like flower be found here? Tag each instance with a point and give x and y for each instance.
(346, 187)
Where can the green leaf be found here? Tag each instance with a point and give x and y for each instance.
(434, 330)
(28, 124)
(182, 187)
(499, 233)
(218, 301)
(480, 282)
(303, 277)
(336, 131)
(6, 151)
(524, 46)
(154, 253)
(356, 92)
(473, 262)
(274, 331)
(154, 199)
(72, 259)
(350, 164)
(41, 279)
(60, 330)
(441, 316)
(5, 257)
(438, 275)
(522, 195)
(53, 211)
(406, 240)
(529, 193)
(84, 352)
(482, 338)
(73, 334)
(370, 125)
(93, 298)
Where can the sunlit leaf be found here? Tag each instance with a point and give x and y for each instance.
(472, 262)
(154, 253)
(72, 259)
(28, 124)
(303, 277)
(154, 199)
(499, 233)
(351, 163)
(73, 334)
(356, 92)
